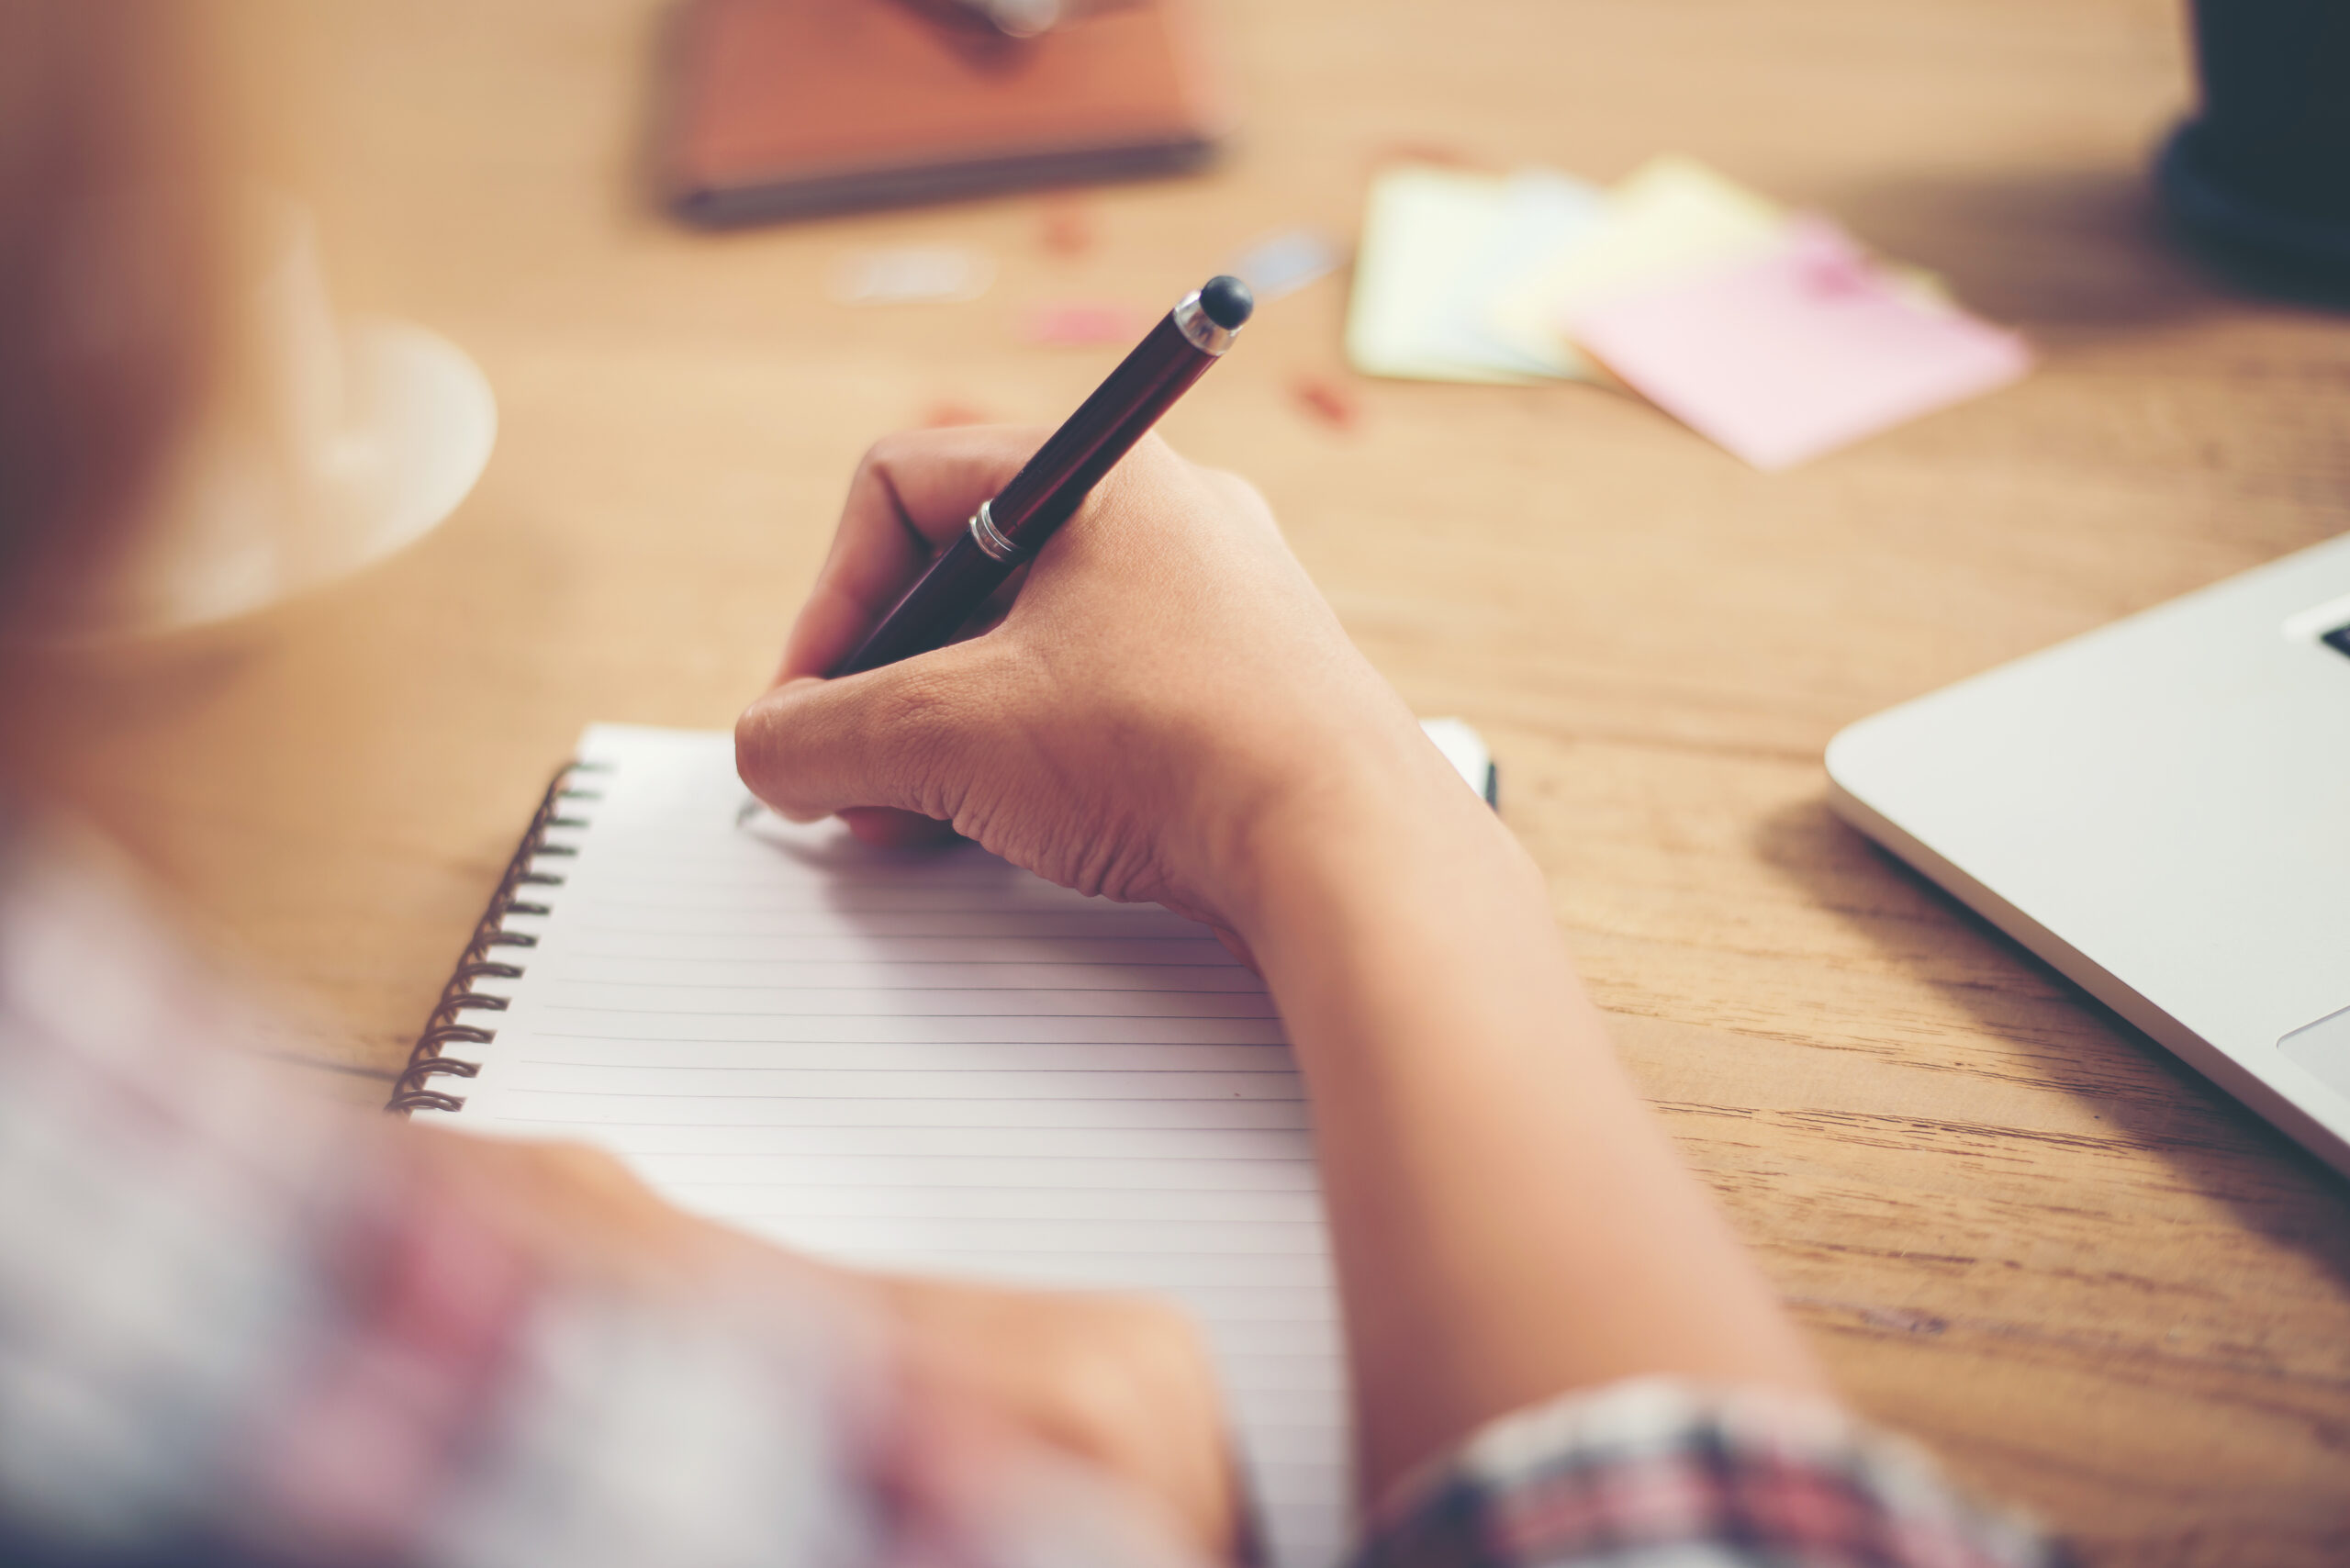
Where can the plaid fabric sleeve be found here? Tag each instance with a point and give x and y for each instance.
(237, 1327)
(1660, 1475)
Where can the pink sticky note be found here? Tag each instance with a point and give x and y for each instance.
(1788, 354)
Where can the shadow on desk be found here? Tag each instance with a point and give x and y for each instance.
(2148, 1288)
(2059, 1039)
(2083, 253)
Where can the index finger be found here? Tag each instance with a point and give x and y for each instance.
(912, 494)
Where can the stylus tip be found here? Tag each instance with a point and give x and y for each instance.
(1226, 301)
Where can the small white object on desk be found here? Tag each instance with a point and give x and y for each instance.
(913, 275)
(332, 444)
(1466, 750)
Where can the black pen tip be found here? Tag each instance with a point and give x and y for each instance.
(1227, 302)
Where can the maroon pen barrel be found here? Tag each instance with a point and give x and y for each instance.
(948, 594)
(1047, 491)
(1052, 485)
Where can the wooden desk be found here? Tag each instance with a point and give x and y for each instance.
(2016, 1229)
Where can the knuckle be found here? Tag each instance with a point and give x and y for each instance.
(889, 450)
(751, 747)
(1161, 1338)
(1154, 452)
(915, 723)
(1238, 488)
(1001, 444)
(767, 758)
(873, 467)
(1115, 1360)
(586, 1166)
(1157, 469)
(911, 711)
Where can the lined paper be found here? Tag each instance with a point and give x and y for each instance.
(929, 1061)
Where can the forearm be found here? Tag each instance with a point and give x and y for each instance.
(1510, 1222)
(1170, 712)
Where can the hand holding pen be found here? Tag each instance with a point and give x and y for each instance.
(1167, 682)
(1013, 525)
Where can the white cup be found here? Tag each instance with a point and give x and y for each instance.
(326, 445)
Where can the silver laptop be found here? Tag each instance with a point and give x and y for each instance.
(2161, 810)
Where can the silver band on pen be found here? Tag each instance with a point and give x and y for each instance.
(1198, 330)
(992, 543)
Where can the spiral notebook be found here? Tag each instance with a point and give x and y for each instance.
(915, 1060)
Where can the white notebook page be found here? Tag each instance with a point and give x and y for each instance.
(927, 1060)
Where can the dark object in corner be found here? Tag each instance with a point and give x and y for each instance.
(789, 109)
(2260, 181)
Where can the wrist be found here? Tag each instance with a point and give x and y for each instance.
(1388, 832)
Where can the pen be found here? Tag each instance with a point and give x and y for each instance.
(1010, 526)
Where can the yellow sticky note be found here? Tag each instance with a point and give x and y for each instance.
(1423, 227)
(1670, 216)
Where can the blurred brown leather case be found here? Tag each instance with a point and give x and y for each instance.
(781, 109)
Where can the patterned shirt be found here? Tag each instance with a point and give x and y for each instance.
(239, 1328)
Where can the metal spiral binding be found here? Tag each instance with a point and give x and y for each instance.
(410, 1089)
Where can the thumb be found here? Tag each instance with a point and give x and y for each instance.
(892, 737)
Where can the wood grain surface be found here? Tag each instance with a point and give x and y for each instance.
(2016, 1229)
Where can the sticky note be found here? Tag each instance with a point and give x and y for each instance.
(911, 274)
(1671, 216)
(1422, 228)
(1543, 212)
(1805, 347)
